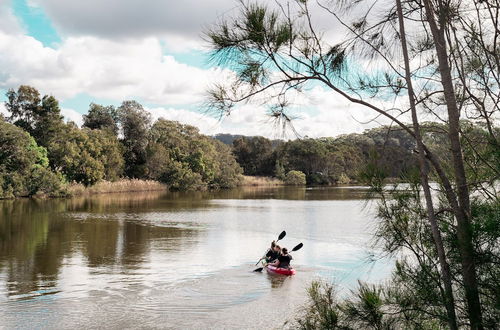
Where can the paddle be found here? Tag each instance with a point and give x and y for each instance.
(296, 248)
(280, 237)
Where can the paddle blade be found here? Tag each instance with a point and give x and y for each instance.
(280, 237)
(258, 269)
(298, 247)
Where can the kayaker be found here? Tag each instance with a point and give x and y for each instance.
(273, 253)
(283, 260)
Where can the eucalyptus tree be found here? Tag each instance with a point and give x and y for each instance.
(102, 117)
(277, 53)
(135, 123)
(39, 116)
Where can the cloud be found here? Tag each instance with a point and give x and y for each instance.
(129, 19)
(115, 50)
(72, 115)
(3, 110)
(332, 115)
(179, 23)
(102, 68)
(8, 22)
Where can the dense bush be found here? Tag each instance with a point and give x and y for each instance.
(255, 155)
(24, 165)
(295, 178)
(86, 156)
(181, 157)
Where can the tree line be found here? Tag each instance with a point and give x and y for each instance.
(40, 153)
(342, 159)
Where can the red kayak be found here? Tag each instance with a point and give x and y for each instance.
(281, 271)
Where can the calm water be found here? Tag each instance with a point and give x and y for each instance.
(177, 260)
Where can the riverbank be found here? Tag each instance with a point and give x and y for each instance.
(120, 186)
(261, 181)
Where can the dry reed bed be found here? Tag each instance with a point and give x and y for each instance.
(261, 181)
(120, 186)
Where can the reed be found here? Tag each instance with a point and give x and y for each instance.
(261, 181)
(120, 186)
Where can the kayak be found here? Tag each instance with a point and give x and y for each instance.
(281, 271)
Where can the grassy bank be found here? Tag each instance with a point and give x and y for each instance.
(120, 186)
(264, 181)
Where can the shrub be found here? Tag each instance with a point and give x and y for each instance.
(43, 182)
(23, 165)
(343, 179)
(295, 178)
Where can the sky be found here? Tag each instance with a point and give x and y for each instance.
(150, 51)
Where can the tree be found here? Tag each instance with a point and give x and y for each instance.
(275, 53)
(108, 151)
(255, 155)
(181, 157)
(40, 117)
(23, 106)
(24, 165)
(101, 117)
(135, 123)
(86, 156)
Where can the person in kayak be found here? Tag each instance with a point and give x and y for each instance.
(283, 260)
(273, 253)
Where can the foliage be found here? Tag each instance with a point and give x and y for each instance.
(170, 152)
(181, 157)
(24, 165)
(414, 297)
(40, 117)
(295, 178)
(85, 156)
(135, 123)
(44, 182)
(101, 117)
(255, 155)
(452, 74)
(364, 309)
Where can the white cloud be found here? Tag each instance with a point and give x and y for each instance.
(179, 23)
(119, 71)
(333, 116)
(109, 50)
(72, 115)
(8, 22)
(3, 110)
(101, 68)
(129, 19)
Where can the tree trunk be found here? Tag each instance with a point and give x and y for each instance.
(462, 214)
(436, 234)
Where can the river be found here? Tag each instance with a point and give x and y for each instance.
(178, 260)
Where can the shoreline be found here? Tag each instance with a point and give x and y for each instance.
(120, 186)
(261, 181)
(139, 185)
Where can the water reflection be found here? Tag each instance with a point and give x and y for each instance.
(180, 258)
(277, 280)
(36, 236)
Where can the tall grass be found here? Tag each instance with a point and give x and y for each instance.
(120, 186)
(261, 181)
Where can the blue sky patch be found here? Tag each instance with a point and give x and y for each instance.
(36, 23)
